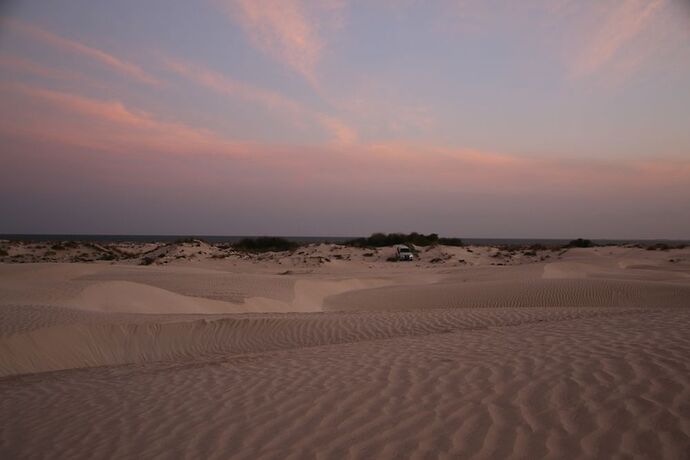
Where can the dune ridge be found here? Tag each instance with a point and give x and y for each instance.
(137, 340)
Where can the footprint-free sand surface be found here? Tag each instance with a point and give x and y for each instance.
(581, 354)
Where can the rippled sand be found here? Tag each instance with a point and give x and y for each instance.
(583, 357)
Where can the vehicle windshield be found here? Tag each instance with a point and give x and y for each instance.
(403, 249)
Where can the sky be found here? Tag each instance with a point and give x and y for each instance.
(469, 118)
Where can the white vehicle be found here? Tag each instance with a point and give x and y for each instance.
(403, 253)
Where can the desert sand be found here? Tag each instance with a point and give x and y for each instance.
(193, 350)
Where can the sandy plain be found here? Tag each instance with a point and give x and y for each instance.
(333, 352)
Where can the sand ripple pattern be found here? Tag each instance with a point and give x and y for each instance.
(509, 294)
(106, 339)
(528, 383)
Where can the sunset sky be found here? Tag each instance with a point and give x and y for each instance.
(474, 118)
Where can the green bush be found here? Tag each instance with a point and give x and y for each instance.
(377, 240)
(265, 243)
(147, 261)
(662, 247)
(580, 243)
(451, 241)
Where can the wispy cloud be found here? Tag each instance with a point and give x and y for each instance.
(623, 21)
(120, 65)
(286, 30)
(22, 65)
(111, 125)
(339, 131)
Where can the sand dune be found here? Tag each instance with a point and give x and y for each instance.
(135, 339)
(516, 294)
(579, 387)
(465, 353)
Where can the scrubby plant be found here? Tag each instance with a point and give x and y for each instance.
(580, 243)
(657, 247)
(3, 252)
(265, 243)
(147, 261)
(451, 241)
(378, 240)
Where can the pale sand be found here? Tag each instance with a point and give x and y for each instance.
(579, 355)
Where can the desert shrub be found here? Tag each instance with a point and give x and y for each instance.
(659, 247)
(107, 256)
(3, 252)
(530, 253)
(378, 240)
(147, 261)
(265, 243)
(392, 259)
(368, 254)
(451, 241)
(71, 244)
(580, 243)
(57, 247)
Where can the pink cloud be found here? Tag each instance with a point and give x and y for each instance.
(342, 133)
(286, 30)
(49, 38)
(111, 126)
(339, 131)
(623, 22)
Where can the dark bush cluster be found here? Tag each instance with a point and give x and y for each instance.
(665, 247)
(580, 243)
(378, 240)
(451, 241)
(265, 243)
(147, 261)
